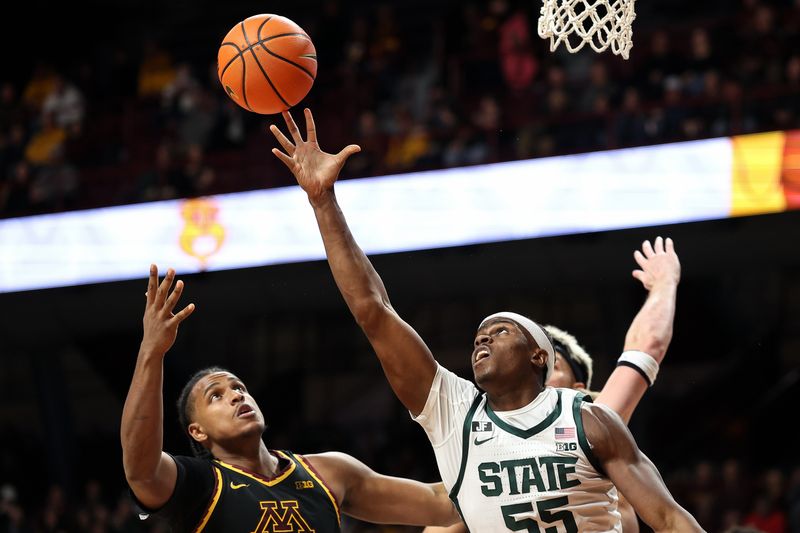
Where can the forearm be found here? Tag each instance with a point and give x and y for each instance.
(359, 283)
(406, 502)
(142, 425)
(623, 391)
(679, 521)
(651, 329)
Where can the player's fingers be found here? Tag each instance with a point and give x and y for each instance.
(286, 143)
(347, 151)
(152, 283)
(640, 259)
(288, 161)
(182, 315)
(293, 131)
(163, 289)
(173, 298)
(647, 249)
(670, 246)
(311, 128)
(638, 274)
(659, 245)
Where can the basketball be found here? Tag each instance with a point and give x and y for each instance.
(267, 64)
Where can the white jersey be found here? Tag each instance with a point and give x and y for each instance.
(530, 469)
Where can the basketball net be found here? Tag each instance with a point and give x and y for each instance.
(598, 23)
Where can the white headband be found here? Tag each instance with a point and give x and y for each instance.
(536, 332)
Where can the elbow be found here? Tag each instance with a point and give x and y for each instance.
(137, 471)
(369, 313)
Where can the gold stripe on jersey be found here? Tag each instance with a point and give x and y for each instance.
(214, 500)
(322, 484)
(262, 480)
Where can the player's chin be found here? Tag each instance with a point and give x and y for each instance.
(483, 375)
(252, 427)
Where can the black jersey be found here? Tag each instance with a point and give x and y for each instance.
(213, 496)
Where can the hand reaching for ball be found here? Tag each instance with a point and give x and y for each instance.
(316, 171)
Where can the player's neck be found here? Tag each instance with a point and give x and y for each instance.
(256, 459)
(513, 399)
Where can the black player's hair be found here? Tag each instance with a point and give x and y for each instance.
(186, 409)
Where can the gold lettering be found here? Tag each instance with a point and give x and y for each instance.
(282, 517)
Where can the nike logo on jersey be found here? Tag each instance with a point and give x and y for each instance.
(239, 485)
(478, 441)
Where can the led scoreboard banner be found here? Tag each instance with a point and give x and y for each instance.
(681, 182)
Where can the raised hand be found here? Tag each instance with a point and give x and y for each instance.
(316, 171)
(160, 324)
(659, 264)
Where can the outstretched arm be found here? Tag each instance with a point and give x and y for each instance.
(369, 496)
(406, 360)
(651, 329)
(150, 472)
(632, 472)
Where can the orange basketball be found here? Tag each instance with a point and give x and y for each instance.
(267, 64)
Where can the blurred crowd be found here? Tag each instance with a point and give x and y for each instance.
(723, 497)
(468, 83)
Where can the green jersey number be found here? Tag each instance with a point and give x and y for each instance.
(548, 517)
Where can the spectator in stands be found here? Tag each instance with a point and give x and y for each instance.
(163, 181)
(766, 516)
(156, 71)
(39, 86)
(15, 196)
(198, 177)
(517, 61)
(55, 185)
(45, 143)
(65, 104)
(629, 125)
(658, 65)
(11, 110)
(793, 499)
(12, 516)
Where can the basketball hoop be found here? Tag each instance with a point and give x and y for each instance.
(598, 23)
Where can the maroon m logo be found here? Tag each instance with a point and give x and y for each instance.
(282, 517)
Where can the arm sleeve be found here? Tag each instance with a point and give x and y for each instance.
(446, 407)
(193, 489)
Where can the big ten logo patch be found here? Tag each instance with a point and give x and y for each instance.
(566, 446)
(202, 234)
(307, 484)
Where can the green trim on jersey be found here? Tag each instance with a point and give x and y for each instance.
(465, 450)
(525, 433)
(587, 449)
(458, 508)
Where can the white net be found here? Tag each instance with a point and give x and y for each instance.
(599, 23)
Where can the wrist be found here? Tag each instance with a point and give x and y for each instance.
(645, 364)
(322, 199)
(149, 352)
(665, 285)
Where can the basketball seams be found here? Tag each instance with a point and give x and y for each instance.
(259, 43)
(244, 71)
(301, 67)
(234, 58)
(261, 68)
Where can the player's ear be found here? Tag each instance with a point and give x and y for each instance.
(539, 358)
(197, 433)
